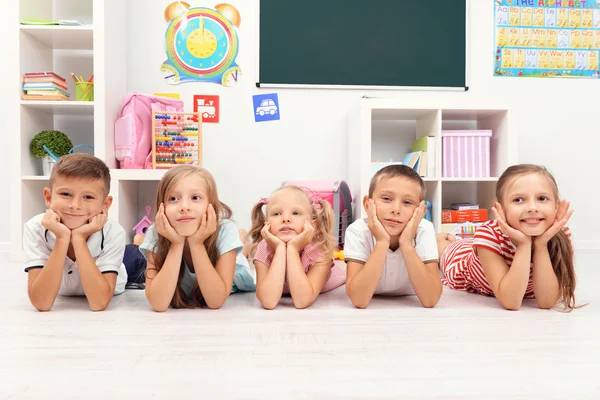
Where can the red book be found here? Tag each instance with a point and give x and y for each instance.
(53, 80)
(42, 74)
(453, 216)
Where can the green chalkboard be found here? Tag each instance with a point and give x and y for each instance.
(359, 43)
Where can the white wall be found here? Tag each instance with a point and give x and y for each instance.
(8, 85)
(249, 160)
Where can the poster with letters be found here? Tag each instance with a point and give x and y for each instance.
(547, 38)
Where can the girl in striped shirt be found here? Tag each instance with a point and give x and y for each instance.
(525, 252)
(293, 248)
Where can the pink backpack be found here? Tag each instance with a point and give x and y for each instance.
(336, 193)
(133, 129)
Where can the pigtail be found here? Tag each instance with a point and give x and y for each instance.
(258, 222)
(323, 234)
(561, 254)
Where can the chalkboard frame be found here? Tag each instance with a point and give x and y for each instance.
(264, 84)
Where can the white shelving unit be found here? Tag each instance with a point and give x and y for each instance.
(99, 48)
(62, 37)
(383, 129)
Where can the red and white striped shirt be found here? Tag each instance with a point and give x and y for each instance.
(462, 266)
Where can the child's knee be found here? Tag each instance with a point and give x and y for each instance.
(443, 241)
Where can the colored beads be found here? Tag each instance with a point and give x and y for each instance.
(176, 139)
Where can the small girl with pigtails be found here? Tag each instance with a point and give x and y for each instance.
(292, 247)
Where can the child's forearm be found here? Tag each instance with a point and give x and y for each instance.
(301, 290)
(44, 289)
(96, 287)
(513, 285)
(213, 288)
(362, 287)
(545, 282)
(426, 282)
(270, 289)
(161, 289)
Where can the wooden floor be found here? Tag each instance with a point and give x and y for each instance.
(466, 347)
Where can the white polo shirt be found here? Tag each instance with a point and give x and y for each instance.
(107, 248)
(359, 243)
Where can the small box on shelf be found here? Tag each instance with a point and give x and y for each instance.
(466, 153)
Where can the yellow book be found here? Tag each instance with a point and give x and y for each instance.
(170, 95)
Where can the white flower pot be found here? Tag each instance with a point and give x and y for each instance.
(47, 165)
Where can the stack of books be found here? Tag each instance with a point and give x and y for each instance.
(463, 219)
(45, 86)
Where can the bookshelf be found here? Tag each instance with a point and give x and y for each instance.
(383, 129)
(99, 48)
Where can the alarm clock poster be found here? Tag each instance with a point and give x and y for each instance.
(201, 44)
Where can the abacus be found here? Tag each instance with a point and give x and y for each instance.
(176, 139)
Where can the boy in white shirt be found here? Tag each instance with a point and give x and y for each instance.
(72, 249)
(394, 250)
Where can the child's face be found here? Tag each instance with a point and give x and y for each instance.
(77, 200)
(530, 204)
(186, 203)
(287, 212)
(396, 200)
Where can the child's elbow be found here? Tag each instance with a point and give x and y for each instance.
(546, 305)
(43, 307)
(214, 305)
(359, 303)
(355, 300)
(100, 306)
(511, 305)
(430, 303)
(302, 303)
(268, 304)
(432, 300)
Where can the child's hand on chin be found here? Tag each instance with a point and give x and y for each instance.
(51, 221)
(375, 226)
(562, 217)
(164, 228)
(94, 225)
(518, 237)
(304, 238)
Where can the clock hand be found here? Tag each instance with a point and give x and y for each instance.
(201, 30)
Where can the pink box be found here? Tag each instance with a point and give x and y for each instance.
(466, 153)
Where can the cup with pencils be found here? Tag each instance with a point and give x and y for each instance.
(84, 91)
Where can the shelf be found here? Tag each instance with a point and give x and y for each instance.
(382, 114)
(490, 179)
(62, 37)
(61, 107)
(34, 178)
(137, 174)
(465, 115)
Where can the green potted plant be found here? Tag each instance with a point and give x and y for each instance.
(56, 141)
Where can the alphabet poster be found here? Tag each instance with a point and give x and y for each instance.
(547, 38)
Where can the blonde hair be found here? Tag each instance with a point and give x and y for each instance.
(161, 248)
(393, 171)
(324, 217)
(83, 166)
(559, 247)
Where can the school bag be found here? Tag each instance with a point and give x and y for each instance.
(133, 128)
(336, 193)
